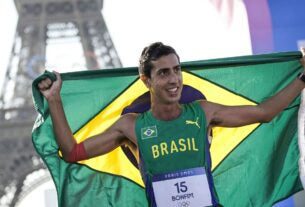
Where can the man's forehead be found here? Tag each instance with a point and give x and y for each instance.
(166, 61)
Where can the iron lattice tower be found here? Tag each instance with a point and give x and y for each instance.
(39, 22)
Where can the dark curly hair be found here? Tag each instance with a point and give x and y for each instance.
(151, 53)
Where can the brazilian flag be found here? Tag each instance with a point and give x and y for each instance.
(254, 165)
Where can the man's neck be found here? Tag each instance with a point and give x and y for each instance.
(166, 112)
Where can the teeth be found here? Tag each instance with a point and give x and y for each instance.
(173, 89)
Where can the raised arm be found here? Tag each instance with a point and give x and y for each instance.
(234, 116)
(113, 137)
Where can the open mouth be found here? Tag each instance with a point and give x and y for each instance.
(173, 90)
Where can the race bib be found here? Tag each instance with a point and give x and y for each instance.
(185, 188)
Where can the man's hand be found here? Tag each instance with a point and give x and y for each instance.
(50, 89)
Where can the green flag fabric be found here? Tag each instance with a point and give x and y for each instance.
(254, 165)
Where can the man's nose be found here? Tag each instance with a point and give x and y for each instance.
(174, 77)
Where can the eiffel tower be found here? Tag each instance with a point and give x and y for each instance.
(41, 22)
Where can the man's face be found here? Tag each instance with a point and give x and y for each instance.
(165, 82)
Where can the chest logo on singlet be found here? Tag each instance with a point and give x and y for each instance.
(149, 132)
(193, 122)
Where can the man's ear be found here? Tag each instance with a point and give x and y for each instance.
(145, 80)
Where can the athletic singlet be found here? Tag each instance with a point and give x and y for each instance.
(173, 149)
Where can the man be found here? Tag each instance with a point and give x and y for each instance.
(171, 137)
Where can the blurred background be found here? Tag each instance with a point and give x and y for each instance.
(73, 35)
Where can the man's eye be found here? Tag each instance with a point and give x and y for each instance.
(178, 69)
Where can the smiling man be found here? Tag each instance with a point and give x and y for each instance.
(171, 138)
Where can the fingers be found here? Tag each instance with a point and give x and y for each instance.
(45, 84)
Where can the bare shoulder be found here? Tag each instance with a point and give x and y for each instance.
(126, 125)
(209, 108)
(129, 118)
(206, 105)
(127, 121)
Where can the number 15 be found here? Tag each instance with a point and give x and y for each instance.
(181, 187)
